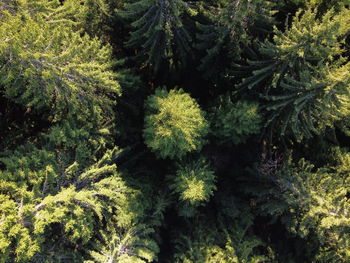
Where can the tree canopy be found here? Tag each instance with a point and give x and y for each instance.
(145, 131)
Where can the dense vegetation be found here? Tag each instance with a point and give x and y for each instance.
(205, 131)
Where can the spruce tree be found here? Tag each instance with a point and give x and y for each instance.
(159, 34)
(228, 28)
(220, 242)
(61, 185)
(45, 199)
(303, 74)
(311, 203)
(47, 67)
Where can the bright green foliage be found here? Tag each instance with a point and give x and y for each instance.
(235, 122)
(159, 33)
(49, 67)
(133, 245)
(98, 193)
(174, 124)
(304, 74)
(228, 30)
(220, 243)
(55, 194)
(67, 12)
(312, 202)
(194, 183)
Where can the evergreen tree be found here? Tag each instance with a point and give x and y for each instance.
(228, 30)
(220, 243)
(303, 73)
(131, 246)
(311, 203)
(159, 33)
(50, 67)
(194, 183)
(234, 122)
(174, 124)
(76, 184)
(45, 200)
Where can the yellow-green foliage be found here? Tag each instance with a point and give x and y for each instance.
(134, 245)
(47, 66)
(174, 124)
(312, 202)
(194, 182)
(221, 243)
(304, 74)
(88, 174)
(235, 122)
(34, 199)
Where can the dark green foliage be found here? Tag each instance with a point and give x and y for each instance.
(234, 122)
(174, 124)
(228, 30)
(159, 32)
(310, 202)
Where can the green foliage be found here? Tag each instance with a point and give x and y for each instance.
(51, 68)
(41, 202)
(234, 122)
(304, 74)
(133, 245)
(194, 183)
(220, 243)
(78, 185)
(159, 33)
(311, 202)
(227, 30)
(174, 124)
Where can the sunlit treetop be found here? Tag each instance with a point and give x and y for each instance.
(174, 124)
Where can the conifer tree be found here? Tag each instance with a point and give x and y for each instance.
(174, 124)
(220, 243)
(194, 183)
(54, 67)
(303, 73)
(77, 186)
(45, 199)
(230, 27)
(159, 33)
(59, 193)
(310, 202)
(133, 245)
(234, 122)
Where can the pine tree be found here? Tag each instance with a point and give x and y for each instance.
(159, 33)
(174, 124)
(303, 74)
